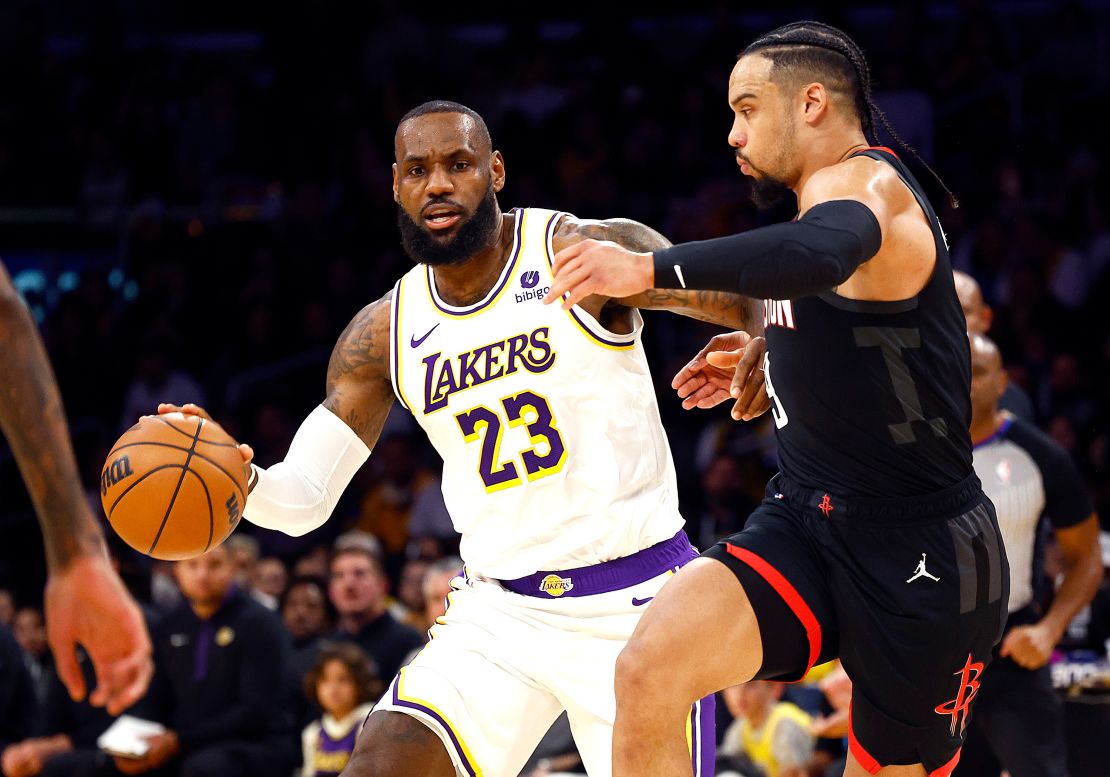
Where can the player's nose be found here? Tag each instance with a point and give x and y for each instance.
(439, 182)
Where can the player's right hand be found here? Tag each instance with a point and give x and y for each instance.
(729, 366)
(87, 604)
(189, 408)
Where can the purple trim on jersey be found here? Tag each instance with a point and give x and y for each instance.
(398, 701)
(611, 575)
(1004, 427)
(508, 273)
(398, 343)
(548, 234)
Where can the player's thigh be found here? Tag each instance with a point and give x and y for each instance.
(853, 769)
(699, 635)
(466, 687)
(399, 745)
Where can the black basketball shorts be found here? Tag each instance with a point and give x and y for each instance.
(909, 594)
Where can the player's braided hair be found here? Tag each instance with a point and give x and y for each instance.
(813, 46)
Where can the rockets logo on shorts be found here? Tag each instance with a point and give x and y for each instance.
(553, 585)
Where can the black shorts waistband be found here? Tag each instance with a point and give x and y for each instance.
(938, 505)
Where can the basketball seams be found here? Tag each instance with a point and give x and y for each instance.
(136, 482)
(185, 433)
(180, 480)
(197, 454)
(208, 497)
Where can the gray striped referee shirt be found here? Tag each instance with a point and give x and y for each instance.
(1028, 475)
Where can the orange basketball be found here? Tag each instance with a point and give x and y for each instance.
(173, 486)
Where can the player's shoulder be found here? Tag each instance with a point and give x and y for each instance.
(365, 341)
(863, 178)
(629, 233)
(372, 320)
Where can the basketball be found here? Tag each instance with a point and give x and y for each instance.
(173, 486)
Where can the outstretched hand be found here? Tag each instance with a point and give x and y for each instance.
(729, 366)
(598, 267)
(246, 451)
(86, 603)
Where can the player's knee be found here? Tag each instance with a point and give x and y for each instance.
(393, 744)
(635, 673)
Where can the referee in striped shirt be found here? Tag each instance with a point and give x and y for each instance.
(1018, 720)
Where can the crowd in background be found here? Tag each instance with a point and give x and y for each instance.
(195, 199)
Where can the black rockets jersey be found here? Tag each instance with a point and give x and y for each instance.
(872, 399)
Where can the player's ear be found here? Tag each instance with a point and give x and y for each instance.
(396, 194)
(497, 171)
(988, 317)
(815, 102)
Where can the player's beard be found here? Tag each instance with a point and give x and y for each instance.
(768, 192)
(474, 234)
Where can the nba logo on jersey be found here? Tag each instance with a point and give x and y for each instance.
(778, 312)
(553, 585)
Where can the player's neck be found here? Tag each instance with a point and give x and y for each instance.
(832, 149)
(467, 282)
(982, 428)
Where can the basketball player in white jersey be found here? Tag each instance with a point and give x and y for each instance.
(557, 471)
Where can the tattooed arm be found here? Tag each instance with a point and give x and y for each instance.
(85, 599)
(358, 386)
(716, 307)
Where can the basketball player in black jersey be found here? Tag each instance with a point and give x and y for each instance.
(875, 542)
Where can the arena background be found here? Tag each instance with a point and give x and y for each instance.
(198, 194)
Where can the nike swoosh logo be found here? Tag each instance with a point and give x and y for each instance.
(641, 602)
(415, 341)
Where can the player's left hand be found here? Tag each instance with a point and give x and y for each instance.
(1030, 646)
(86, 603)
(728, 366)
(598, 267)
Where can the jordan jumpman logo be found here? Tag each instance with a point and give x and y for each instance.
(922, 572)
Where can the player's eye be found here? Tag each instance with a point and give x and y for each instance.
(460, 166)
(417, 170)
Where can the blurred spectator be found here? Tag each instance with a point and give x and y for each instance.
(979, 318)
(772, 734)
(1018, 719)
(386, 510)
(30, 633)
(408, 607)
(357, 588)
(268, 578)
(18, 706)
(65, 741)
(313, 564)
(308, 617)
(343, 684)
(7, 607)
(158, 380)
(437, 586)
(244, 555)
(220, 683)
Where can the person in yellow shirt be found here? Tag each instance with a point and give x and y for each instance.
(774, 735)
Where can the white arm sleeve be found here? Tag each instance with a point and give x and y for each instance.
(297, 495)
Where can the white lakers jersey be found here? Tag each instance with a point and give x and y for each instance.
(554, 454)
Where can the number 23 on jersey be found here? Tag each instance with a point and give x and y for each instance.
(527, 409)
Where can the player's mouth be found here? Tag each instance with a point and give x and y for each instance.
(441, 217)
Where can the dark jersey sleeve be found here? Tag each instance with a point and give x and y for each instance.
(1067, 501)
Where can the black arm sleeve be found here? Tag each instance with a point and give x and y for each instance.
(782, 261)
